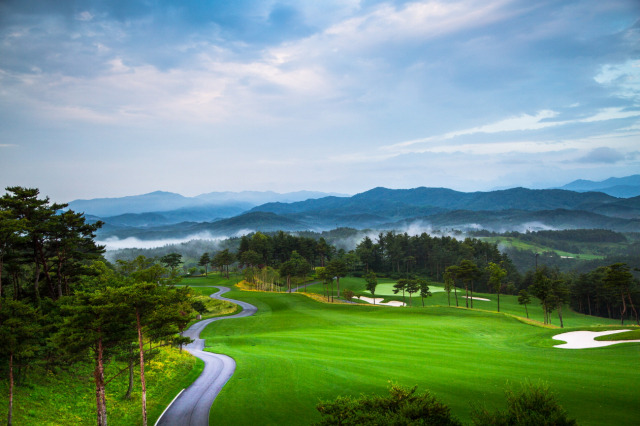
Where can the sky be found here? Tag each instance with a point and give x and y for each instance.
(124, 97)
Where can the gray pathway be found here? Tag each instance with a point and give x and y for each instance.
(192, 406)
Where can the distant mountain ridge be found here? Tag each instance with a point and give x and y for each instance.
(395, 209)
(401, 202)
(625, 187)
(162, 202)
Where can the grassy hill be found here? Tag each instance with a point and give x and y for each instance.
(297, 351)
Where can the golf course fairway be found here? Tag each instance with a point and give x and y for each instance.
(295, 352)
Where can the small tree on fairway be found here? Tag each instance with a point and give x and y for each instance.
(561, 296)
(524, 299)
(338, 269)
(413, 287)
(204, 261)
(327, 278)
(496, 275)
(372, 283)
(468, 272)
(223, 259)
(401, 285)
(424, 289)
(450, 276)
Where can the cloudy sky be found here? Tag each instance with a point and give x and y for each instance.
(113, 98)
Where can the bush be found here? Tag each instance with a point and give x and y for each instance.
(402, 407)
(532, 405)
(348, 294)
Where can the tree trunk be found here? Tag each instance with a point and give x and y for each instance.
(635, 313)
(560, 315)
(47, 275)
(1, 281)
(455, 292)
(98, 375)
(526, 310)
(466, 289)
(589, 303)
(623, 310)
(59, 284)
(498, 302)
(10, 413)
(471, 294)
(338, 286)
(142, 381)
(130, 388)
(36, 284)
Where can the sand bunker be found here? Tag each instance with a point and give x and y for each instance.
(378, 301)
(586, 339)
(477, 298)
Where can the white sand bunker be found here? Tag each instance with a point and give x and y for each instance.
(378, 301)
(477, 298)
(586, 339)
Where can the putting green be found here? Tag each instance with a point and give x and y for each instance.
(386, 289)
(296, 351)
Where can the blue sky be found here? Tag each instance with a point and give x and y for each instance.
(112, 98)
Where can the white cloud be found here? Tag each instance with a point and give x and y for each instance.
(520, 123)
(624, 78)
(84, 16)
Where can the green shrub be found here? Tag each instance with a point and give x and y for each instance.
(348, 294)
(402, 407)
(532, 405)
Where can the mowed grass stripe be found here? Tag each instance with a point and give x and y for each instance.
(297, 351)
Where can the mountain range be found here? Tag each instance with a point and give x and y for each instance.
(226, 214)
(625, 187)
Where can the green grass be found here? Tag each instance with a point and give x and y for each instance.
(296, 351)
(627, 335)
(533, 247)
(68, 396)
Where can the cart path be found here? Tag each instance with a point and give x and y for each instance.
(192, 406)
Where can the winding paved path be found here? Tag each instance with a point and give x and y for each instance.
(192, 406)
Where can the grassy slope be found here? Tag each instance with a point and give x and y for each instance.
(526, 245)
(296, 351)
(508, 304)
(68, 397)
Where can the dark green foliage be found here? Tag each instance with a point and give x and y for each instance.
(531, 405)
(403, 406)
(199, 307)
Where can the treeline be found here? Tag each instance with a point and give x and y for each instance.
(608, 291)
(60, 303)
(398, 255)
(571, 235)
